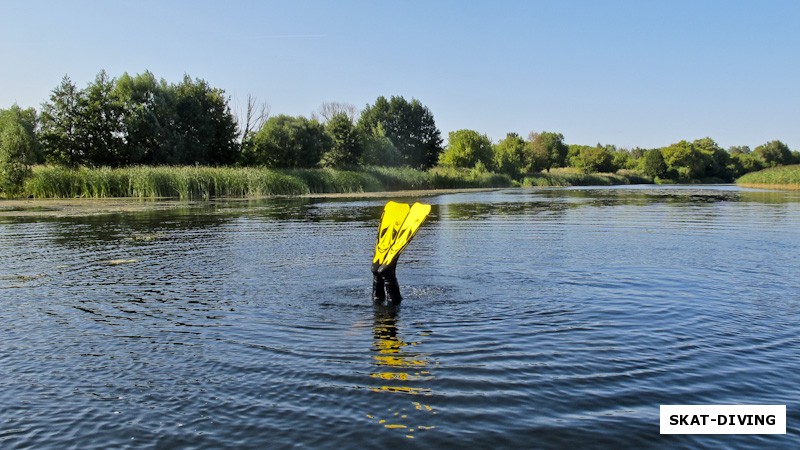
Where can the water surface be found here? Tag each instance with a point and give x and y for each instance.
(543, 318)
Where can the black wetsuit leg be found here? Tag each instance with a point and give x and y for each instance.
(391, 284)
(378, 289)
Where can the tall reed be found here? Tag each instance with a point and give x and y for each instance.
(567, 177)
(185, 182)
(199, 182)
(781, 176)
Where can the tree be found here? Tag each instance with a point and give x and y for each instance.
(717, 159)
(379, 150)
(509, 155)
(653, 164)
(286, 141)
(774, 153)
(346, 146)
(84, 127)
(17, 148)
(742, 163)
(101, 121)
(410, 127)
(329, 109)
(139, 120)
(465, 148)
(148, 118)
(685, 161)
(621, 159)
(547, 149)
(206, 128)
(637, 153)
(254, 117)
(594, 159)
(62, 130)
(185, 123)
(739, 150)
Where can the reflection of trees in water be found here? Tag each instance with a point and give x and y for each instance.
(400, 371)
(165, 219)
(139, 227)
(552, 203)
(477, 211)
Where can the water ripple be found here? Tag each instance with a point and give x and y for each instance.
(532, 319)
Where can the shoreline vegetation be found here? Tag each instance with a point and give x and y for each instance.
(141, 137)
(54, 191)
(202, 183)
(780, 177)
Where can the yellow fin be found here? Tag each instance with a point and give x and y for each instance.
(394, 214)
(408, 229)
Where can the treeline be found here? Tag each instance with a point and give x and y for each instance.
(699, 160)
(139, 120)
(143, 121)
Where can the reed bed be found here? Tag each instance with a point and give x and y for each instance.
(161, 182)
(198, 182)
(781, 177)
(400, 178)
(568, 177)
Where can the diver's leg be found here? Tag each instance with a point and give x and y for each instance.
(392, 286)
(378, 289)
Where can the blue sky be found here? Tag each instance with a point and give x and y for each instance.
(631, 73)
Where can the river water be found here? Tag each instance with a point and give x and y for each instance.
(541, 318)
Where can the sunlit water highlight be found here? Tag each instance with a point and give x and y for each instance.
(532, 319)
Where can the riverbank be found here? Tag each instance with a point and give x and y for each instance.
(76, 207)
(62, 192)
(564, 177)
(781, 177)
(198, 182)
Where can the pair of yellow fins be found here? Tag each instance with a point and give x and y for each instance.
(399, 223)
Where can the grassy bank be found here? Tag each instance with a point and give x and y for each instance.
(781, 177)
(188, 182)
(572, 177)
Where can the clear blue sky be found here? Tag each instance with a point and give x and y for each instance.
(632, 73)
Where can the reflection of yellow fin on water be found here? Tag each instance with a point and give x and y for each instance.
(394, 214)
(408, 229)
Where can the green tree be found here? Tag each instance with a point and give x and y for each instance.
(685, 161)
(653, 164)
(410, 127)
(739, 150)
(621, 159)
(17, 148)
(774, 153)
(637, 153)
(465, 148)
(101, 122)
(84, 127)
(148, 116)
(62, 127)
(547, 150)
(379, 150)
(716, 157)
(206, 128)
(138, 120)
(286, 141)
(510, 156)
(594, 159)
(346, 142)
(742, 163)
